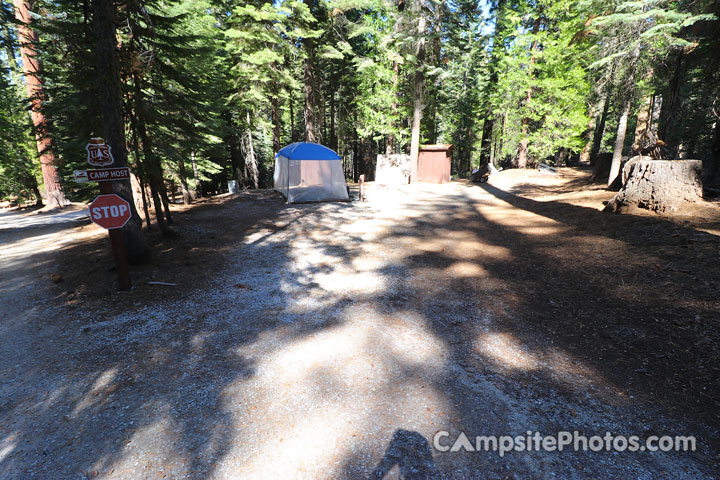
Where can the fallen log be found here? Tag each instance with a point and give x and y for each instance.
(658, 185)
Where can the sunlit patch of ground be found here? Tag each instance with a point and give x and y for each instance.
(335, 340)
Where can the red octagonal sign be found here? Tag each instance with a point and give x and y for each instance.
(110, 211)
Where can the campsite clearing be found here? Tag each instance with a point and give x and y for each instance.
(335, 340)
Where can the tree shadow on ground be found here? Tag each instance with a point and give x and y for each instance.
(320, 333)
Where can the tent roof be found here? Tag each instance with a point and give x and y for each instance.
(307, 151)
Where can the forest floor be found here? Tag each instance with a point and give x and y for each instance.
(335, 340)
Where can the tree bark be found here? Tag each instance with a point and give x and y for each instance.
(251, 167)
(599, 131)
(320, 123)
(165, 199)
(152, 167)
(644, 118)
(672, 101)
(418, 87)
(309, 73)
(196, 177)
(390, 145)
(619, 142)
(585, 154)
(293, 137)
(333, 134)
(145, 202)
(356, 150)
(658, 185)
(141, 170)
(714, 170)
(187, 198)
(233, 144)
(275, 104)
(55, 196)
(418, 81)
(113, 124)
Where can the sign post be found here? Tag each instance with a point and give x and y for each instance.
(108, 210)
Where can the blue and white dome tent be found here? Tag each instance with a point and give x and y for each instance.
(309, 172)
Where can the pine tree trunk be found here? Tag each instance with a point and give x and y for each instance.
(145, 202)
(141, 169)
(522, 150)
(418, 84)
(196, 177)
(233, 145)
(166, 202)
(714, 170)
(418, 81)
(113, 122)
(152, 167)
(308, 68)
(494, 150)
(599, 131)
(670, 109)
(356, 150)
(251, 166)
(619, 142)
(522, 156)
(187, 198)
(585, 154)
(275, 104)
(293, 137)
(333, 133)
(320, 123)
(486, 142)
(33, 83)
(644, 118)
(390, 145)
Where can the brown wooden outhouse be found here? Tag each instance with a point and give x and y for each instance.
(434, 163)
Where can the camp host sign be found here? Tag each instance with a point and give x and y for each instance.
(101, 174)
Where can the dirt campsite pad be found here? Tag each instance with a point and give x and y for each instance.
(336, 340)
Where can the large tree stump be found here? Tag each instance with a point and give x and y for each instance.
(658, 185)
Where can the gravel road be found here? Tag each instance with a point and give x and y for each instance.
(336, 342)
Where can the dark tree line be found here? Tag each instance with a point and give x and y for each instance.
(209, 90)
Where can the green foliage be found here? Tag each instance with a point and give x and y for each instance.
(218, 81)
(18, 155)
(180, 84)
(551, 71)
(72, 108)
(17, 149)
(375, 62)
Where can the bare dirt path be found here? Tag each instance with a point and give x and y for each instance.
(335, 340)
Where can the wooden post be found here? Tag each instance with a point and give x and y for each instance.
(118, 247)
(362, 188)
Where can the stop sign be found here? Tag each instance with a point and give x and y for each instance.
(110, 211)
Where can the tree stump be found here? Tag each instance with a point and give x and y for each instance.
(658, 185)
